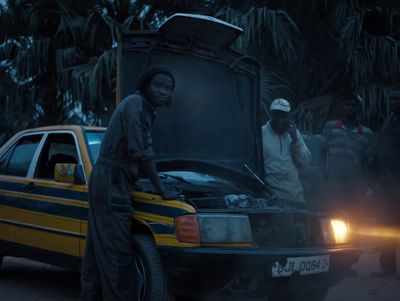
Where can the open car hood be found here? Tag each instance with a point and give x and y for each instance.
(215, 106)
(203, 29)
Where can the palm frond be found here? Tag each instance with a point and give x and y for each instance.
(8, 50)
(67, 57)
(127, 25)
(71, 26)
(114, 27)
(264, 26)
(88, 82)
(102, 72)
(344, 9)
(33, 57)
(375, 102)
(8, 23)
(367, 55)
(311, 115)
(17, 107)
(118, 9)
(273, 83)
(55, 18)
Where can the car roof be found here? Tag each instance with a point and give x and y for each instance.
(63, 127)
(75, 128)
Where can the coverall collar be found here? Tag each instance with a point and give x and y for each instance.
(340, 125)
(149, 108)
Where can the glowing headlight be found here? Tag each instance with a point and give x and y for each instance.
(341, 231)
(335, 231)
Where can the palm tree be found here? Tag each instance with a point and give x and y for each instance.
(17, 99)
(369, 33)
(314, 52)
(57, 55)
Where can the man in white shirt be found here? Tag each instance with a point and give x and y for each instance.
(284, 150)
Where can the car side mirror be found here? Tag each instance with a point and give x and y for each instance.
(69, 173)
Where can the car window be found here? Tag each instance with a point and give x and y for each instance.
(94, 141)
(17, 159)
(4, 159)
(58, 148)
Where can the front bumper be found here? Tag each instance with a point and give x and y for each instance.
(252, 258)
(248, 272)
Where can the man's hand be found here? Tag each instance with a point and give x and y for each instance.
(293, 131)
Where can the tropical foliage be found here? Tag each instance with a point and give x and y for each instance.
(58, 57)
(316, 52)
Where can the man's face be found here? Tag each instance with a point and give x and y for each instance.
(279, 121)
(395, 105)
(351, 109)
(159, 90)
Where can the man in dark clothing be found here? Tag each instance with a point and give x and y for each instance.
(343, 144)
(388, 178)
(107, 271)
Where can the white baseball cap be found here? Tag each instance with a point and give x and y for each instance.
(280, 104)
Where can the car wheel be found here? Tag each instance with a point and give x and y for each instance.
(150, 278)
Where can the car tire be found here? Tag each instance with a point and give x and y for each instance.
(150, 277)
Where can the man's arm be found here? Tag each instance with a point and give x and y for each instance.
(139, 147)
(150, 170)
(299, 149)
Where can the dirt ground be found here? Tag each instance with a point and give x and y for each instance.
(364, 286)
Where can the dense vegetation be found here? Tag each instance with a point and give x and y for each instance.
(58, 57)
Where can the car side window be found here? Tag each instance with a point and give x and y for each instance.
(4, 159)
(16, 161)
(58, 148)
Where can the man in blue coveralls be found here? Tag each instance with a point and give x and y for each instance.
(107, 269)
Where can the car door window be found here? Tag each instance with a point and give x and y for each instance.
(17, 159)
(94, 139)
(4, 159)
(58, 148)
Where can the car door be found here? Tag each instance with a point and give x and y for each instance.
(19, 230)
(62, 204)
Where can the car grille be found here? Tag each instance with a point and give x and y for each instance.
(282, 230)
(272, 230)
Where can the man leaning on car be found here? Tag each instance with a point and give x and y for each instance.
(126, 148)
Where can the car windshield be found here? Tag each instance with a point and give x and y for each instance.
(94, 139)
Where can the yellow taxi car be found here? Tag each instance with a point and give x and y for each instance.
(226, 232)
(44, 206)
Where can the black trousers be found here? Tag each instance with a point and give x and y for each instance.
(107, 268)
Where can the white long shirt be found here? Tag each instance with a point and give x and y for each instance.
(281, 173)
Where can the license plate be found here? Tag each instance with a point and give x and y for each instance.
(303, 265)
